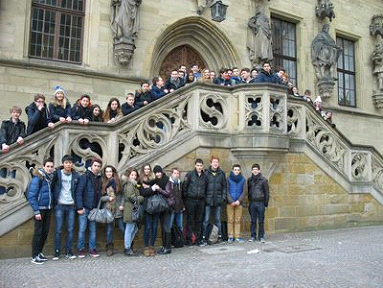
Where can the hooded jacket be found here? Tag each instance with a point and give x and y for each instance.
(88, 191)
(40, 191)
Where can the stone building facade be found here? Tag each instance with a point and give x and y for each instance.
(165, 28)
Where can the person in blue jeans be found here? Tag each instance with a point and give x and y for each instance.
(64, 186)
(88, 193)
(258, 194)
(216, 188)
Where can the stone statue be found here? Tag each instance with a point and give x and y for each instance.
(201, 5)
(377, 59)
(125, 19)
(259, 39)
(324, 55)
(325, 9)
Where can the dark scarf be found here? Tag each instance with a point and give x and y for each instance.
(235, 178)
(255, 178)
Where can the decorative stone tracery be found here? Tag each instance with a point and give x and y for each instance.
(376, 30)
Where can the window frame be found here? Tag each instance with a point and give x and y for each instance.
(58, 12)
(282, 56)
(344, 72)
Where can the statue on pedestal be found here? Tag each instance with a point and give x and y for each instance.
(125, 23)
(324, 55)
(259, 39)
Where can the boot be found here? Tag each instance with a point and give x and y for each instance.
(167, 244)
(109, 249)
(146, 251)
(152, 251)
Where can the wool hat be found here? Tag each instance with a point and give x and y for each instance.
(59, 89)
(157, 169)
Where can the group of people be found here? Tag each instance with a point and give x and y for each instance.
(62, 192)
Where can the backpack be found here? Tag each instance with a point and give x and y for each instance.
(177, 237)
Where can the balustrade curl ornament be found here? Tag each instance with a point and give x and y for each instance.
(88, 146)
(214, 111)
(325, 142)
(359, 164)
(254, 111)
(294, 121)
(377, 173)
(156, 130)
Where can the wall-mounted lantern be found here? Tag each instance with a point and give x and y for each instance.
(218, 11)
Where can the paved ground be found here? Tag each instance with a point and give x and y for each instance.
(334, 258)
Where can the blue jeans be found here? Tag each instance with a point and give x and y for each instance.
(3, 174)
(257, 212)
(110, 229)
(82, 224)
(130, 232)
(217, 217)
(178, 217)
(61, 212)
(151, 221)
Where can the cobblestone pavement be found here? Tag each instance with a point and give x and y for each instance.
(334, 258)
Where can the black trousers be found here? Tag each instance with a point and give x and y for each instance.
(41, 231)
(194, 213)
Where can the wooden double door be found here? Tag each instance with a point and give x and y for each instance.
(181, 55)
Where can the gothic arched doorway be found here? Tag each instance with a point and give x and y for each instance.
(201, 36)
(181, 55)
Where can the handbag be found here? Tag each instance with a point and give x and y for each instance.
(137, 212)
(100, 215)
(156, 204)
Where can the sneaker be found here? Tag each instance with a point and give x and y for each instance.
(56, 256)
(93, 253)
(230, 240)
(81, 253)
(252, 239)
(239, 240)
(202, 243)
(70, 255)
(262, 240)
(37, 260)
(42, 257)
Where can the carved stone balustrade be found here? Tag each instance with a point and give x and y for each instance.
(250, 120)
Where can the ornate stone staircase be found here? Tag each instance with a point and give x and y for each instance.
(252, 121)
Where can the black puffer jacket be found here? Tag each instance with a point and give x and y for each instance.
(11, 131)
(194, 186)
(216, 187)
(258, 189)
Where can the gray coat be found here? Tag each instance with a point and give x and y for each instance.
(131, 194)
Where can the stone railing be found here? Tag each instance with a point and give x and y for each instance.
(244, 118)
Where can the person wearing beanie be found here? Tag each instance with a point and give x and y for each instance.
(60, 108)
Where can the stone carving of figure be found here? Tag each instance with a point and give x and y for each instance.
(201, 5)
(325, 9)
(259, 39)
(125, 19)
(377, 58)
(324, 54)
